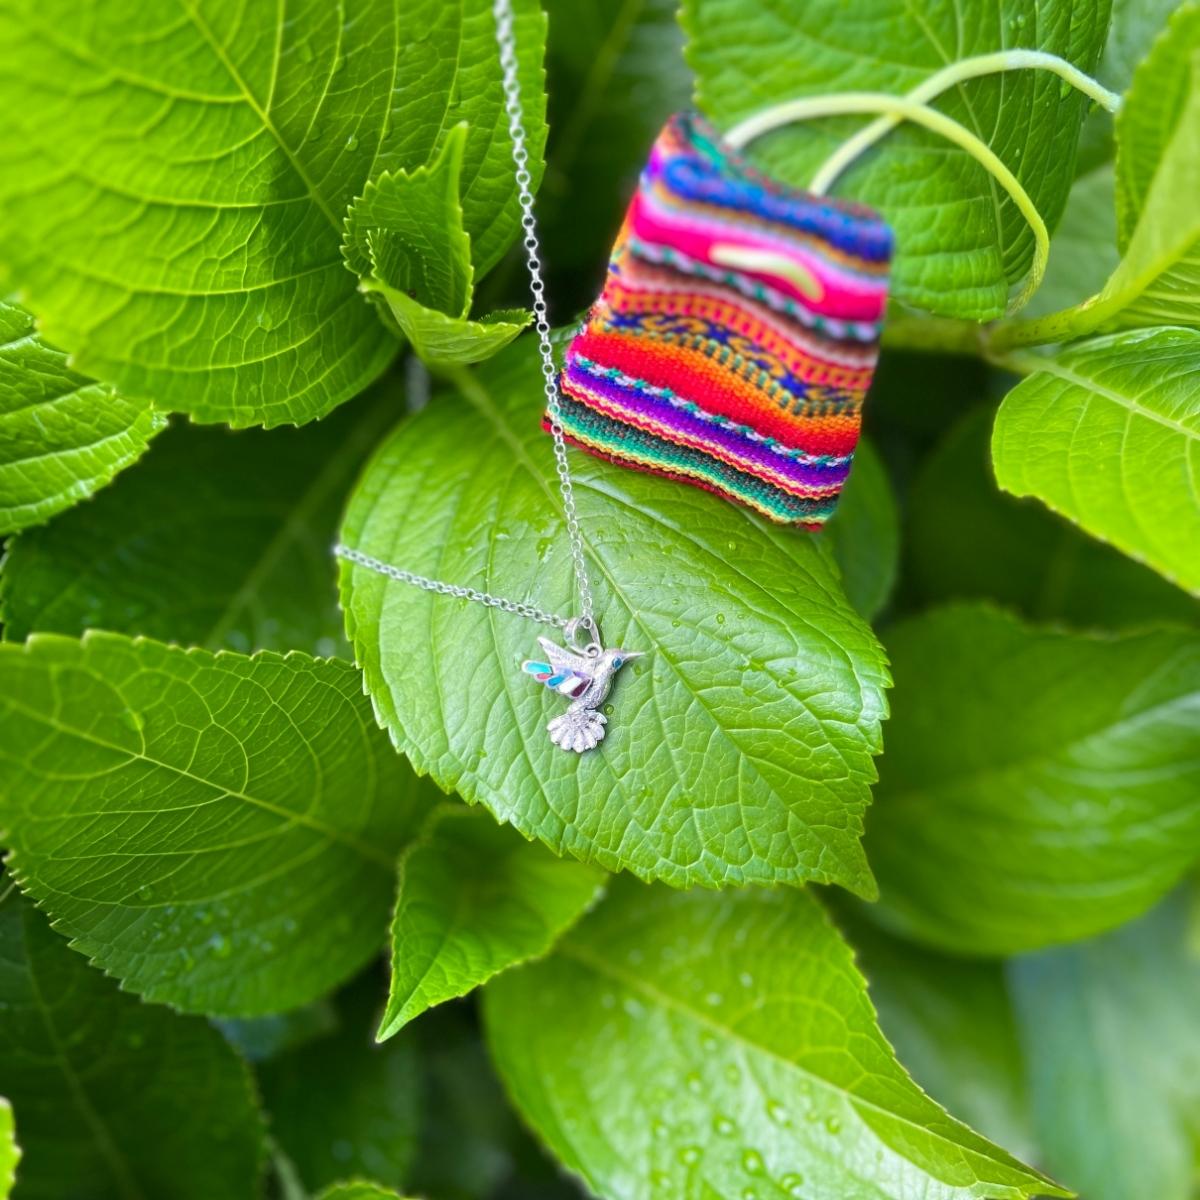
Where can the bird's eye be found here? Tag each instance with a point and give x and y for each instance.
(617, 662)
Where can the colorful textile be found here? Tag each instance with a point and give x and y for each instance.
(736, 334)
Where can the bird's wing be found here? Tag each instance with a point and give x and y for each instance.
(558, 679)
(565, 660)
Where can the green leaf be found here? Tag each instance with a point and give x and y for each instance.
(115, 1099)
(440, 339)
(342, 1106)
(952, 1025)
(61, 436)
(1114, 1057)
(359, 1189)
(1131, 31)
(475, 898)
(1158, 176)
(1157, 279)
(218, 832)
(407, 229)
(968, 540)
(215, 539)
(174, 177)
(405, 237)
(961, 242)
(10, 1152)
(1039, 786)
(689, 1044)
(745, 628)
(1083, 251)
(1159, 93)
(1107, 432)
(864, 533)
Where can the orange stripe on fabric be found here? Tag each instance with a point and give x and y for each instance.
(677, 437)
(694, 376)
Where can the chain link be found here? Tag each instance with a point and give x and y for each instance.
(507, 42)
(503, 13)
(449, 589)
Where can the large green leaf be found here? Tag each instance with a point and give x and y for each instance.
(406, 238)
(967, 539)
(952, 1025)
(475, 899)
(115, 1099)
(1114, 1058)
(738, 751)
(1107, 432)
(1039, 786)
(10, 1152)
(960, 240)
(698, 1046)
(174, 176)
(61, 436)
(215, 539)
(218, 832)
(341, 1106)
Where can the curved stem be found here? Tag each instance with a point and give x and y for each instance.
(904, 109)
(948, 77)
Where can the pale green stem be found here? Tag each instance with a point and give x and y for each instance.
(943, 80)
(1061, 326)
(904, 109)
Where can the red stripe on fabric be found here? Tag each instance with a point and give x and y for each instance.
(692, 375)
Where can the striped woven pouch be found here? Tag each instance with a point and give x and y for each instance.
(736, 335)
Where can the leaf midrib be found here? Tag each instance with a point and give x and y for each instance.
(365, 850)
(639, 984)
(218, 50)
(1055, 367)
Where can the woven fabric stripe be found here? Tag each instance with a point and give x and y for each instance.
(747, 381)
(628, 446)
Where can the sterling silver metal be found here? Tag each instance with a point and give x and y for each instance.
(581, 727)
(449, 589)
(502, 11)
(586, 678)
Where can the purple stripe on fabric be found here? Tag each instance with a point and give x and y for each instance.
(753, 454)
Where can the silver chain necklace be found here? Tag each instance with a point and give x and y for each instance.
(583, 672)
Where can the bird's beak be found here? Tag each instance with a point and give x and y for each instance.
(628, 654)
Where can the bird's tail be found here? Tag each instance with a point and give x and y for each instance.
(578, 729)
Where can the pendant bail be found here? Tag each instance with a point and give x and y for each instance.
(575, 626)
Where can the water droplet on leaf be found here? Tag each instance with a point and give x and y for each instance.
(752, 1162)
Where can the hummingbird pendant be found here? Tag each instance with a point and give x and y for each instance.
(585, 676)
